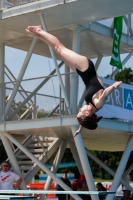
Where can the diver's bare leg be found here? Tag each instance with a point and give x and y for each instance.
(72, 59)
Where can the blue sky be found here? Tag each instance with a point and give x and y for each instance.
(41, 66)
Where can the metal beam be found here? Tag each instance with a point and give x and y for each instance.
(41, 165)
(33, 93)
(2, 86)
(21, 74)
(56, 163)
(106, 31)
(44, 158)
(85, 163)
(62, 121)
(110, 171)
(56, 67)
(121, 167)
(128, 24)
(76, 156)
(98, 62)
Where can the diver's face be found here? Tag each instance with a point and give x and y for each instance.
(84, 111)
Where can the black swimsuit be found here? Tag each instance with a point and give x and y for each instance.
(91, 82)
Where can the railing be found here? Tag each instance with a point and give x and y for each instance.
(12, 3)
(33, 98)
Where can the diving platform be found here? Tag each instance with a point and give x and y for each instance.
(111, 135)
(61, 18)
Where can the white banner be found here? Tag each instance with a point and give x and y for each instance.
(119, 103)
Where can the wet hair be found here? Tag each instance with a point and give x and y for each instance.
(89, 122)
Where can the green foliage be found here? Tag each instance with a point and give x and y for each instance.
(112, 159)
(107, 76)
(125, 75)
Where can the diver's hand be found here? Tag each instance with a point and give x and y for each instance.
(78, 131)
(117, 84)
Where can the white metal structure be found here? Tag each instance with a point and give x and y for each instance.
(75, 23)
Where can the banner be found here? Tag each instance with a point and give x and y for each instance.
(119, 103)
(115, 59)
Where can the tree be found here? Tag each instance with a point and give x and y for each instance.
(125, 75)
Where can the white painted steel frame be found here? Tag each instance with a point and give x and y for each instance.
(43, 159)
(110, 171)
(78, 139)
(33, 93)
(56, 163)
(5, 141)
(127, 126)
(76, 156)
(41, 165)
(56, 67)
(20, 76)
(121, 167)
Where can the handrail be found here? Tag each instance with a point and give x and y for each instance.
(18, 3)
(56, 192)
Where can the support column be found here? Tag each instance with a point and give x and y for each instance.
(85, 163)
(33, 93)
(78, 138)
(110, 171)
(21, 74)
(56, 163)
(56, 67)
(121, 168)
(76, 156)
(41, 165)
(98, 62)
(2, 86)
(74, 77)
(2, 4)
(67, 85)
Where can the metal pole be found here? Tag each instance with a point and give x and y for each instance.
(85, 163)
(41, 165)
(56, 163)
(33, 93)
(2, 88)
(98, 62)
(60, 100)
(78, 138)
(67, 84)
(110, 171)
(121, 167)
(2, 4)
(82, 99)
(21, 74)
(35, 108)
(12, 159)
(76, 156)
(56, 67)
(74, 77)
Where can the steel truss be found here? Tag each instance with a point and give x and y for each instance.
(70, 95)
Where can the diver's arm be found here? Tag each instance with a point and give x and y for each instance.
(78, 131)
(99, 104)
